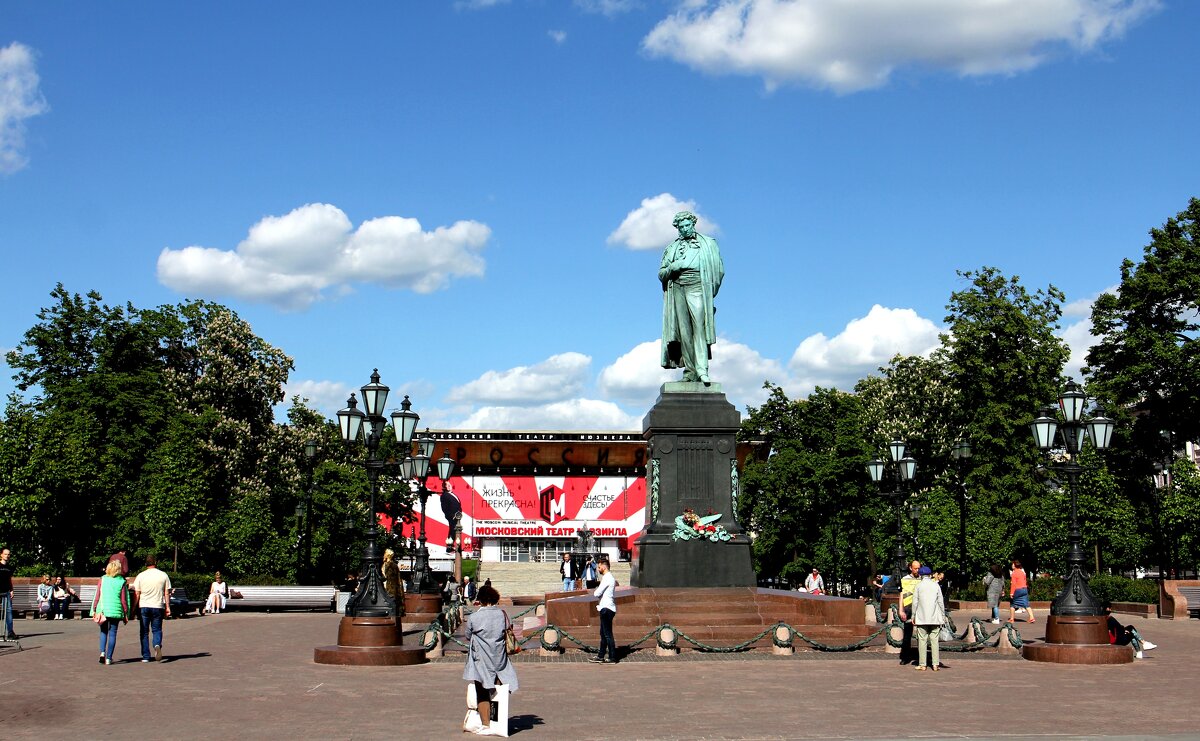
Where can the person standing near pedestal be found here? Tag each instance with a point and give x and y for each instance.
(691, 272)
(566, 570)
(908, 586)
(606, 593)
(928, 614)
(153, 589)
(591, 577)
(6, 593)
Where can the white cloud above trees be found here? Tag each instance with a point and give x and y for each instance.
(293, 260)
(20, 99)
(852, 45)
(557, 378)
(649, 225)
(558, 392)
(572, 414)
(865, 344)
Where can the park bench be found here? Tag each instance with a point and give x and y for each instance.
(24, 600)
(181, 605)
(281, 598)
(1192, 595)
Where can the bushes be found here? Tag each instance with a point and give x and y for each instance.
(195, 584)
(1044, 588)
(973, 592)
(1109, 588)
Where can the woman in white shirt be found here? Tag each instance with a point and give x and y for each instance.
(218, 593)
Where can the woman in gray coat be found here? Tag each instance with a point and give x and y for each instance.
(487, 661)
(994, 583)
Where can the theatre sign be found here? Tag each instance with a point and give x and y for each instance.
(526, 507)
(525, 495)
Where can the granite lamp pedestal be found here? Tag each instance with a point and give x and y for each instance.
(692, 431)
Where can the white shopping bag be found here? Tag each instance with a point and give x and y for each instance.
(500, 709)
(499, 700)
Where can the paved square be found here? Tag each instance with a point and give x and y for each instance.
(251, 676)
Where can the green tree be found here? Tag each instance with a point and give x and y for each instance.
(1145, 364)
(808, 504)
(101, 408)
(1004, 363)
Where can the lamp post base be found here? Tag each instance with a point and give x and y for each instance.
(1077, 639)
(370, 641)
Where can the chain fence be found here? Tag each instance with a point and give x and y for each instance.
(782, 634)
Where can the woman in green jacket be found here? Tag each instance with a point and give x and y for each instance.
(112, 603)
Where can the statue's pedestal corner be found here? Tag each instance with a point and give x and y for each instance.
(690, 387)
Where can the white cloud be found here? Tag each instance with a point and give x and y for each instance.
(558, 37)
(557, 378)
(573, 414)
(1078, 334)
(851, 45)
(649, 225)
(323, 396)
(741, 372)
(20, 99)
(606, 7)
(636, 376)
(291, 260)
(865, 344)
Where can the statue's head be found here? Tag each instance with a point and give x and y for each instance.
(685, 222)
(683, 216)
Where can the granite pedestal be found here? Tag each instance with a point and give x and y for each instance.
(692, 433)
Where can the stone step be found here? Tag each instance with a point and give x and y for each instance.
(515, 580)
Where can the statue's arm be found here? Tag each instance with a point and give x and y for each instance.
(719, 271)
(666, 268)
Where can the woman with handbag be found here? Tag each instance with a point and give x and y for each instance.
(112, 603)
(487, 660)
(62, 596)
(45, 591)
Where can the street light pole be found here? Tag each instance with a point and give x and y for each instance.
(416, 469)
(962, 453)
(371, 599)
(310, 460)
(902, 469)
(1075, 598)
(914, 512)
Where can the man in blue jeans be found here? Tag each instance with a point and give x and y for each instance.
(153, 589)
(6, 590)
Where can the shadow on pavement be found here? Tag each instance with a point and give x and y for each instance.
(518, 723)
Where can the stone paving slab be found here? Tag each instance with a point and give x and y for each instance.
(251, 676)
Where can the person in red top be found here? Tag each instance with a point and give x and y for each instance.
(1019, 592)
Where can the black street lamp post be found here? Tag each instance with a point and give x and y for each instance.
(915, 509)
(304, 510)
(902, 470)
(454, 546)
(1163, 483)
(371, 599)
(1068, 435)
(962, 453)
(416, 469)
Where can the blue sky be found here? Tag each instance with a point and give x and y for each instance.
(473, 196)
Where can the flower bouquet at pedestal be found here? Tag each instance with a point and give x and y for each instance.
(691, 526)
